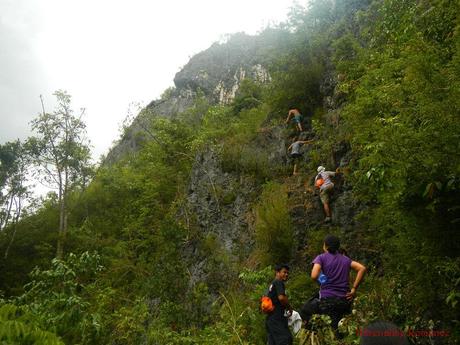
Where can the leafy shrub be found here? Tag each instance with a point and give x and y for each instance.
(247, 160)
(248, 96)
(273, 227)
(60, 299)
(20, 327)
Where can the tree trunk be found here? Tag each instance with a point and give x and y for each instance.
(8, 213)
(62, 217)
(15, 222)
(60, 240)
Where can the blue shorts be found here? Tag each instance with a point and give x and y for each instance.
(298, 118)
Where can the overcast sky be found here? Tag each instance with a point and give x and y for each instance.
(108, 54)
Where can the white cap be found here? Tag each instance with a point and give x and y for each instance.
(321, 169)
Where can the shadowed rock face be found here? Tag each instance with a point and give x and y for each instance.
(220, 204)
(220, 200)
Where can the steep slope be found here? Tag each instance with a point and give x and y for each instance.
(199, 201)
(215, 73)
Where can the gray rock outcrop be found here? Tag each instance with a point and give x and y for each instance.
(215, 73)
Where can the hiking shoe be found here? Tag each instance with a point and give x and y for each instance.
(327, 219)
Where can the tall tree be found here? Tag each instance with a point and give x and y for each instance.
(13, 190)
(61, 153)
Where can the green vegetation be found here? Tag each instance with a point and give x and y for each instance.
(274, 231)
(144, 261)
(17, 326)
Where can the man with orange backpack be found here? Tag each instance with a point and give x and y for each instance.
(277, 320)
(325, 185)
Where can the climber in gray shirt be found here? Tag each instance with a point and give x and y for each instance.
(295, 154)
(325, 185)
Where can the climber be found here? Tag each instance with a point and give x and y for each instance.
(297, 116)
(295, 151)
(277, 321)
(325, 185)
(335, 296)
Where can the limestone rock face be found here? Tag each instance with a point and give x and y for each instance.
(176, 102)
(220, 200)
(216, 73)
(219, 70)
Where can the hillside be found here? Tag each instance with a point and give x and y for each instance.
(175, 238)
(215, 74)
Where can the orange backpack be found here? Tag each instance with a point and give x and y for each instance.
(266, 304)
(319, 182)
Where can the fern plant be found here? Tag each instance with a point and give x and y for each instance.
(19, 326)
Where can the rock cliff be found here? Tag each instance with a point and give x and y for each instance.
(221, 201)
(215, 73)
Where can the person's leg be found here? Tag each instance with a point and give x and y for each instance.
(270, 340)
(296, 160)
(343, 308)
(325, 201)
(336, 309)
(279, 332)
(284, 336)
(327, 210)
(324, 196)
(298, 121)
(328, 307)
(308, 309)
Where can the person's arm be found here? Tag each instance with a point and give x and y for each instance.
(288, 117)
(360, 269)
(281, 293)
(308, 141)
(315, 271)
(290, 146)
(284, 301)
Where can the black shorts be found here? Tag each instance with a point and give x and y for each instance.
(278, 332)
(335, 307)
(295, 157)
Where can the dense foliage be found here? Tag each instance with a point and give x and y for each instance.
(380, 78)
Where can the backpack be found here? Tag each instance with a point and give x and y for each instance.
(266, 305)
(319, 181)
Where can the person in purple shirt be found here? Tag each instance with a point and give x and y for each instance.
(333, 271)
